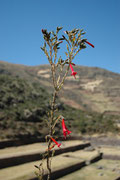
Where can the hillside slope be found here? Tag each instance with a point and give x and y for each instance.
(25, 93)
(94, 89)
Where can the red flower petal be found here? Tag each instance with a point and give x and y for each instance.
(65, 130)
(89, 44)
(51, 147)
(73, 74)
(71, 68)
(55, 142)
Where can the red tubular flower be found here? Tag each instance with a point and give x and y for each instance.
(89, 44)
(73, 72)
(65, 130)
(55, 142)
(51, 147)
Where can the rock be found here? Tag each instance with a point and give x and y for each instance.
(101, 174)
(118, 171)
(100, 167)
(87, 162)
(90, 148)
(114, 169)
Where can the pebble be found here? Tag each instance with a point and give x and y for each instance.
(100, 167)
(101, 174)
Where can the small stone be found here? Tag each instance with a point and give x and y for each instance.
(87, 162)
(101, 174)
(100, 167)
(118, 171)
(90, 148)
(113, 169)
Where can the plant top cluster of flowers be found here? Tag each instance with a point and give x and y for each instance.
(75, 43)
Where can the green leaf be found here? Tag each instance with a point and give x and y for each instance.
(44, 45)
(61, 39)
(83, 33)
(82, 45)
(36, 166)
(42, 48)
(59, 28)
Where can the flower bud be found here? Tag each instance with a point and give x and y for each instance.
(44, 31)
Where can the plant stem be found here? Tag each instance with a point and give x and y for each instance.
(51, 134)
(74, 45)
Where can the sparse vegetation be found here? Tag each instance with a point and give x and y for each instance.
(23, 107)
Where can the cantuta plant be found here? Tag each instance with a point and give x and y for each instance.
(59, 68)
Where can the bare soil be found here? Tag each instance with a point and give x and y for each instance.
(102, 170)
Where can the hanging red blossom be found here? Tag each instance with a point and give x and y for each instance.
(65, 130)
(73, 72)
(89, 44)
(55, 142)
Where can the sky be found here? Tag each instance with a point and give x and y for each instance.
(21, 22)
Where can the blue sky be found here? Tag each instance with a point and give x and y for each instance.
(21, 22)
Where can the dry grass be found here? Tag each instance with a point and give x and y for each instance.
(26, 170)
(21, 171)
(83, 155)
(110, 150)
(71, 103)
(110, 171)
(32, 148)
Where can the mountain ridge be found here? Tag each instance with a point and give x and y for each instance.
(24, 65)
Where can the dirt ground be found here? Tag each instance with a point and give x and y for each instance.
(33, 148)
(102, 170)
(23, 171)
